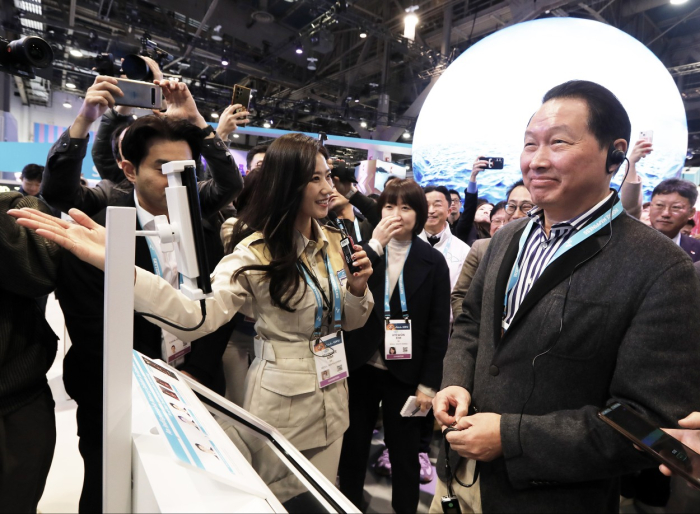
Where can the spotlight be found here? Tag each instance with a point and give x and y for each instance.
(216, 35)
(357, 100)
(363, 124)
(224, 60)
(76, 53)
(236, 136)
(678, 2)
(215, 115)
(299, 49)
(363, 33)
(67, 104)
(406, 135)
(70, 85)
(266, 125)
(312, 63)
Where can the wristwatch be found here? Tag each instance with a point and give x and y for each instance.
(206, 131)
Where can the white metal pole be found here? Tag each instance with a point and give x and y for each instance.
(118, 345)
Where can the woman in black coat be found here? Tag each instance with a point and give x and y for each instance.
(381, 371)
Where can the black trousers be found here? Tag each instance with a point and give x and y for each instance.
(368, 386)
(89, 420)
(27, 442)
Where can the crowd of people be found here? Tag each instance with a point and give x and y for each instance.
(508, 325)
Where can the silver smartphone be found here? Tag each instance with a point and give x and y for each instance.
(139, 94)
(647, 135)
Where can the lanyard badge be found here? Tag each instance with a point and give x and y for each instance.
(397, 332)
(329, 351)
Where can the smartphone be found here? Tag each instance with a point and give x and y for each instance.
(241, 95)
(495, 163)
(647, 135)
(139, 94)
(650, 438)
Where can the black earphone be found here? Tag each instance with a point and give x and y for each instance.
(615, 156)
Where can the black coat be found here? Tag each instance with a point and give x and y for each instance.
(630, 333)
(427, 282)
(80, 291)
(691, 246)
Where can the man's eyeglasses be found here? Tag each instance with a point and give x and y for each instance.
(524, 207)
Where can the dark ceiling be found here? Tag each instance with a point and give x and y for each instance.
(371, 87)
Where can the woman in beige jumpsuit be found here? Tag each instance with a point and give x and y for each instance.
(282, 386)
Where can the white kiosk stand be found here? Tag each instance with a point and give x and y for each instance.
(163, 451)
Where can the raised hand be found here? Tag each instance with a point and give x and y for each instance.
(181, 105)
(386, 229)
(230, 120)
(98, 98)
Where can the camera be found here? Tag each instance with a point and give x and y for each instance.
(21, 56)
(136, 68)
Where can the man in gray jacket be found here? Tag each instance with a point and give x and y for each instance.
(564, 316)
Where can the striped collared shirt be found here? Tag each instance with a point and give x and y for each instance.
(539, 250)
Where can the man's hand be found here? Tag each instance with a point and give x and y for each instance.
(181, 105)
(98, 98)
(230, 120)
(689, 437)
(343, 187)
(478, 437)
(453, 397)
(423, 401)
(386, 229)
(479, 165)
(641, 149)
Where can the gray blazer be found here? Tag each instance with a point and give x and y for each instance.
(631, 332)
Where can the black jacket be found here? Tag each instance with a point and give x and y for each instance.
(630, 332)
(62, 189)
(80, 291)
(427, 282)
(27, 343)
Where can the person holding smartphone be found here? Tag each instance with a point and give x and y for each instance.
(285, 271)
(399, 351)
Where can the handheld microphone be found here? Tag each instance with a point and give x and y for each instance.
(346, 242)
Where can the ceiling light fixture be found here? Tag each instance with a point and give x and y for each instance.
(266, 125)
(76, 53)
(215, 115)
(363, 33)
(70, 85)
(299, 49)
(363, 124)
(406, 134)
(678, 2)
(312, 63)
(67, 104)
(236, 136)
(224, 60)
(216, 35)
(410, 22)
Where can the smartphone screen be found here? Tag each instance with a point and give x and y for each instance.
(241, 95)
(664, 448)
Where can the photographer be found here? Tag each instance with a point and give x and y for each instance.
(61, 185)
(468, 227)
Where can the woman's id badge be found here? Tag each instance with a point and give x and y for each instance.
(397, 339)
(331, 363)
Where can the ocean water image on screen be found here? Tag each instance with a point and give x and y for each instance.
(482, 103)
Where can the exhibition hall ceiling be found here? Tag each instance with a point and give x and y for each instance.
(308, 62)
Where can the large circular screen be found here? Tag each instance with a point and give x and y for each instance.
(484, 100)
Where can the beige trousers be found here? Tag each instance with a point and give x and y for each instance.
(469, 497)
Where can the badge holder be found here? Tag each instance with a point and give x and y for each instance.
(398, 340)
(329, 351)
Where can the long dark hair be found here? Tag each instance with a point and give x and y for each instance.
(272, 208)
